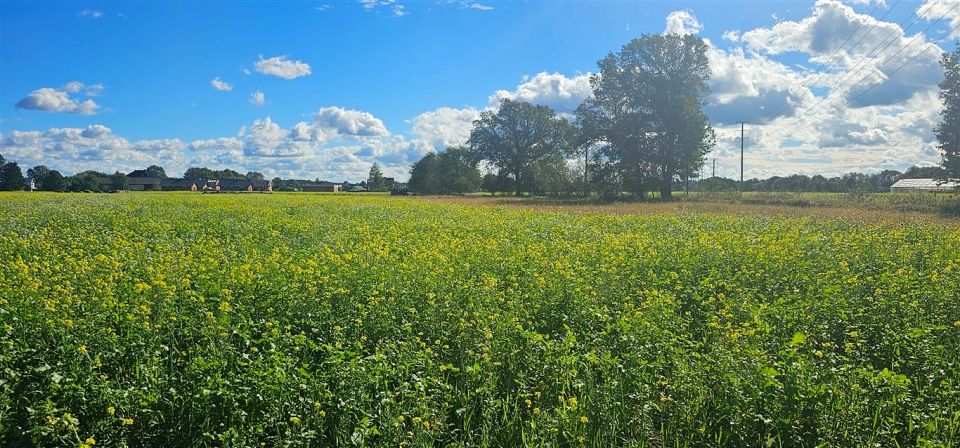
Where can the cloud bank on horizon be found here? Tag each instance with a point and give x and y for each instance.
(837, 107)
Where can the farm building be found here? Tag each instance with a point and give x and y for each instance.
(924, 186)
(245, 185)
(322, 188)
(144, 183)
(174, 184)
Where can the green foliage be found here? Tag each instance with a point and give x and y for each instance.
(519, 135)
(303, 320)
(54, 181)
(375, 180)
(450, 172)
(948, 131)
(646, 112)
(11, 177)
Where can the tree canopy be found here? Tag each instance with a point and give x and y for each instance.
(646, 112)
(375, 180)
(517, 136)
(948, 131)
(450, 172)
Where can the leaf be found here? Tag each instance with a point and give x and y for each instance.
(798, 339)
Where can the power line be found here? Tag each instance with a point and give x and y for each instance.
(808, 124)
(886, 42)
(823, 74)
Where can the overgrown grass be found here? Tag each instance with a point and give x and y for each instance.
(326, 320)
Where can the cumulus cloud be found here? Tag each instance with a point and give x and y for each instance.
(52, 100)
(394, 7)
(339, 121)
(258, 99)
(932, 10)
(221, 85)
(282, 66)
(682, 22)
(445, 127)
(560, 93)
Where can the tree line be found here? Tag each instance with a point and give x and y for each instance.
(643, 130)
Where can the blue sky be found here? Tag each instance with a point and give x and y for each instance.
(116, 85)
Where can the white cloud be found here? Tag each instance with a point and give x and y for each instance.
(950, 9)
(52, 100)
(445, 127)
(394, 7)
(73, 86)
(89, 13)
(480, 7)
(221, 85)
(682, 22)
(258, 99)
(560, 93)
(282, 66)
(339, 121)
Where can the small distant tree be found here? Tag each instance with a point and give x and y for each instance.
(155, 171)
(948, 131)
(423, 175)
(38, 175)
(85, 181)
(118, 181)
(375, 180)
(11, 177)
(199, 173)
(253, 175)
(54, 182)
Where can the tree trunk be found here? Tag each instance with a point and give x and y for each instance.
(666, 187)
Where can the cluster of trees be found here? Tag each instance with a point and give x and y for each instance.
(850, 182)
(642, 130)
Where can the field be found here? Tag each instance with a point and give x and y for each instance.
(326, 320)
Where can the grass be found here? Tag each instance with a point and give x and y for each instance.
(328, 320)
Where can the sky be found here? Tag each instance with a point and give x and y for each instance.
(314, 89)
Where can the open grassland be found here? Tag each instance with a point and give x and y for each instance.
(862, 208)
(321, 320)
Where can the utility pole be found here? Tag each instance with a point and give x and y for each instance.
(741, 153)
(714, 167)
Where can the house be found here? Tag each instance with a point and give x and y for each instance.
(388, 183)
(174, 184)
(322, 188)
(138, 173)
(265, 185)
(924, 186)
(357, 189)
(143, 183)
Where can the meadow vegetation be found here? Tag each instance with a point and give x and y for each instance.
(325, 320)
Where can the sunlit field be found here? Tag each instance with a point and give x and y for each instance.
(182, 319)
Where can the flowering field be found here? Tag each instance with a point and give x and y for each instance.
(311, 320)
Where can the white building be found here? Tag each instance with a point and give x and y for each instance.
(924, 186)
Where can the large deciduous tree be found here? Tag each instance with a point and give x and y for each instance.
(11, 177)
(948, 131)
(647, 110)
(517, 136)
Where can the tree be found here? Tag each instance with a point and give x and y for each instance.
(375, 181)
(38, 175)
(118, 181)
(423, 175)
(948, 131)
(155, 171)
(54, 182)
(517, 136)
(253, 175)
(11, 177)
(647, 110)
(199, 173)
(85, 181)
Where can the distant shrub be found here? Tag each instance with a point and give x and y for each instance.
(950, 209)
